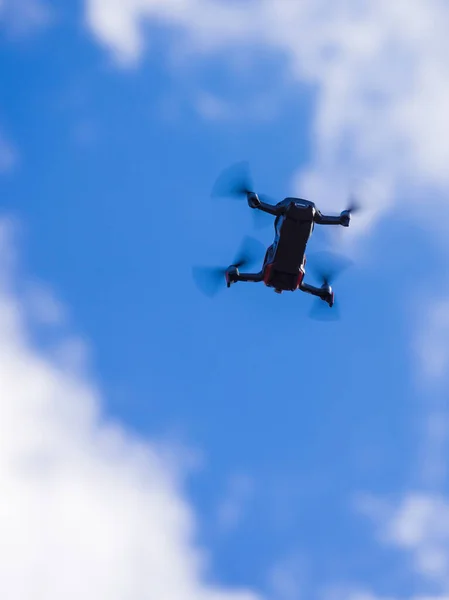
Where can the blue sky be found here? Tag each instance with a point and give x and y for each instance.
(299, 430)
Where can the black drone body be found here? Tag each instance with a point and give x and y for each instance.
(283, 267)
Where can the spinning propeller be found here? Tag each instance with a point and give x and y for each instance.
(209, 279)
(354, 205)
(335, 235)
(326, 267)
(235, 182)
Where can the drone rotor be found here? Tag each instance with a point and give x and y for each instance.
(327, 267)
(235, 183)
(210, 279)
(354, 205)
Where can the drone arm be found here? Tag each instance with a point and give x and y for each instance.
(256, 277)
(310, 289)
(255, 202)
(329, 220)
(269, 208)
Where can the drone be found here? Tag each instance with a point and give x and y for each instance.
(283, 267)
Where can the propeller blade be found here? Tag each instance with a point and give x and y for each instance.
(234, 182)
(335, 235)
(321, 311)
(250, 251)
(327, 266)
(209, 279)
(354, 205)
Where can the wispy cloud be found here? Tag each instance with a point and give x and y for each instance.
(42, 305)
(236, 498)
(431, 353)
(379, 71)
(287, 579)
(22, 17)
(418, 524)
(415, 523)
(212, 107)
(88, 511)
(8, 155)
(381, 79)
(432, 347)
(415, 520)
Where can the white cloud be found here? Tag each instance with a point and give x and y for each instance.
(418, 523)
(349, 592)
(86, 511)
(381, 78)
(379, 69)
(361, 594)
